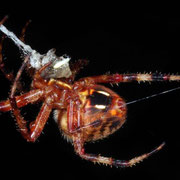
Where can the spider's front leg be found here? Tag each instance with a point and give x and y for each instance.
(9, 75)
(36, 127)
(22, 100)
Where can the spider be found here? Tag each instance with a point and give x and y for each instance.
(84, 110)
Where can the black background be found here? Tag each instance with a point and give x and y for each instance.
(114, 40)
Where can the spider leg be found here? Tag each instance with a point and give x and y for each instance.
(8, 76)
(22, 100)
(37, 125)
(3, 20)
(73, 116)
(22, 37)
(29, 68)
(79, 148)
(14, 87)
(27, 98)
(118, 78)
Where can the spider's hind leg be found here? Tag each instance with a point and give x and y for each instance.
(79, 148)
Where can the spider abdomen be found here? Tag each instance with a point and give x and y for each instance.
(102, 113)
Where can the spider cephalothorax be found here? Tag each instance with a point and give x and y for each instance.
(84, 110)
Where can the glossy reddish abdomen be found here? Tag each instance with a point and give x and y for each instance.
(103, 113)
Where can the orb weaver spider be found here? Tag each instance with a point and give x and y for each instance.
(84, 110)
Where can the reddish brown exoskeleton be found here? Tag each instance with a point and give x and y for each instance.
(84, 110)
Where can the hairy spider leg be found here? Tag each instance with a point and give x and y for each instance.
(118, 78)
(73, 116)
(3, 20)
(22, 100)
(79, 148)
(8, 76)
(22, 37)
(14, 87)
(36, 126)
